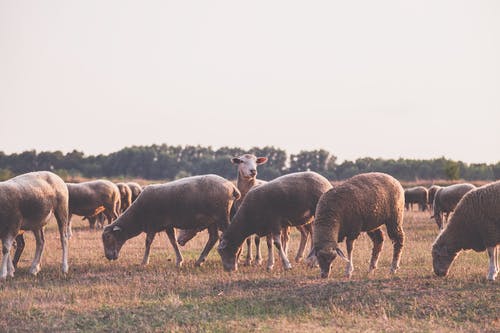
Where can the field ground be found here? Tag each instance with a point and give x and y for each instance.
(103, 296)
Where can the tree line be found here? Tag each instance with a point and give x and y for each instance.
(166, 162)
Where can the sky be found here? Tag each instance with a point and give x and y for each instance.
(389, 79)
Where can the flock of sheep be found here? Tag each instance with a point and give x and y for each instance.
(305, 200)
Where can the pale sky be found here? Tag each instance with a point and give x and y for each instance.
(390, 79)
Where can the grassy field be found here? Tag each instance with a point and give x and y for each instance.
(98, 295)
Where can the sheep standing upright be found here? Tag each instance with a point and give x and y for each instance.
(188, 203)
(288, 200)
(27, 202)
(475, 225)
(362, 203)
(418, 195)
(446, 199)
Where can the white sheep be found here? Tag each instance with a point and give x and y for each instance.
(288, 200)
(446, 199)
(363, 203)
(188, 203)
(27, 202)
(475, 225)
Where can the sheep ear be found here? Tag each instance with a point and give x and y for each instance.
(261, 160)
(236, 160)
(117, 228)
(222, 244)
(341, 254)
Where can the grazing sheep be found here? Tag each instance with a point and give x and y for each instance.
(92, 197)
(362, 203)
(135, 188)
(416, 195)
(446, 199)
(431, 194)
(27, 202)
(288, 200)
(188, 203)
(125, 196)
(475, 225)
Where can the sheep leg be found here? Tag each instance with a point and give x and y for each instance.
(213, 236)
(285, 236)
(377, 238)
(248, 260)
(69, 232)
(396, 234)
(270, 253)
(304, 235)
(150, 236)
(258, 254)
(20, 243)
(281, 250)
(493, 256)
(63, 219)
(109, 216)
(7, 242)
(40, 242)
(171, 236)
(350, 267)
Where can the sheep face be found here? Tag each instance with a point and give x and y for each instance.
(247, 165)
(112, 241)
(325, 258)
(229, 256)
(442, 257)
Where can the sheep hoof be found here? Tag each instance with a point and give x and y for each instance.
(179, 264)
(298, 259)
(248, 262)
(270, 268)
(394, 270)
(199, 263)
(288, 266)
(258, 261)
(492, 277)
(34, 270)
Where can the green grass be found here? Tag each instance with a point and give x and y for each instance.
(103, 296)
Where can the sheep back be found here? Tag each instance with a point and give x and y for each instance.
(86, 197)
(362, 203)
(26, 201)
(187, 203)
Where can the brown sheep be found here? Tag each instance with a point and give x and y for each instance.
(188, 203)
(125, 196)
(27, 202)
(475, 225)
(362, 203)
(446, 199)
(431, 191)
(89, 198)
(418, 195)
(288, 200)
(135, 188)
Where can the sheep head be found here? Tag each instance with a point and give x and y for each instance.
(247, 165)
(325, 257)
(112, 239)
(442, 258)
(229, 256)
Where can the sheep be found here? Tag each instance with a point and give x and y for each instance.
(135, 188)
(188, 203)
(125, 196)
(246, 179)
(446, 199)
(431, 191)
(289, 200)
(418, 195)
(90, 198)
(28, 202)
(362, 203)
(475, 225)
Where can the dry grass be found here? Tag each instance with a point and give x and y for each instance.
(98, 295)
